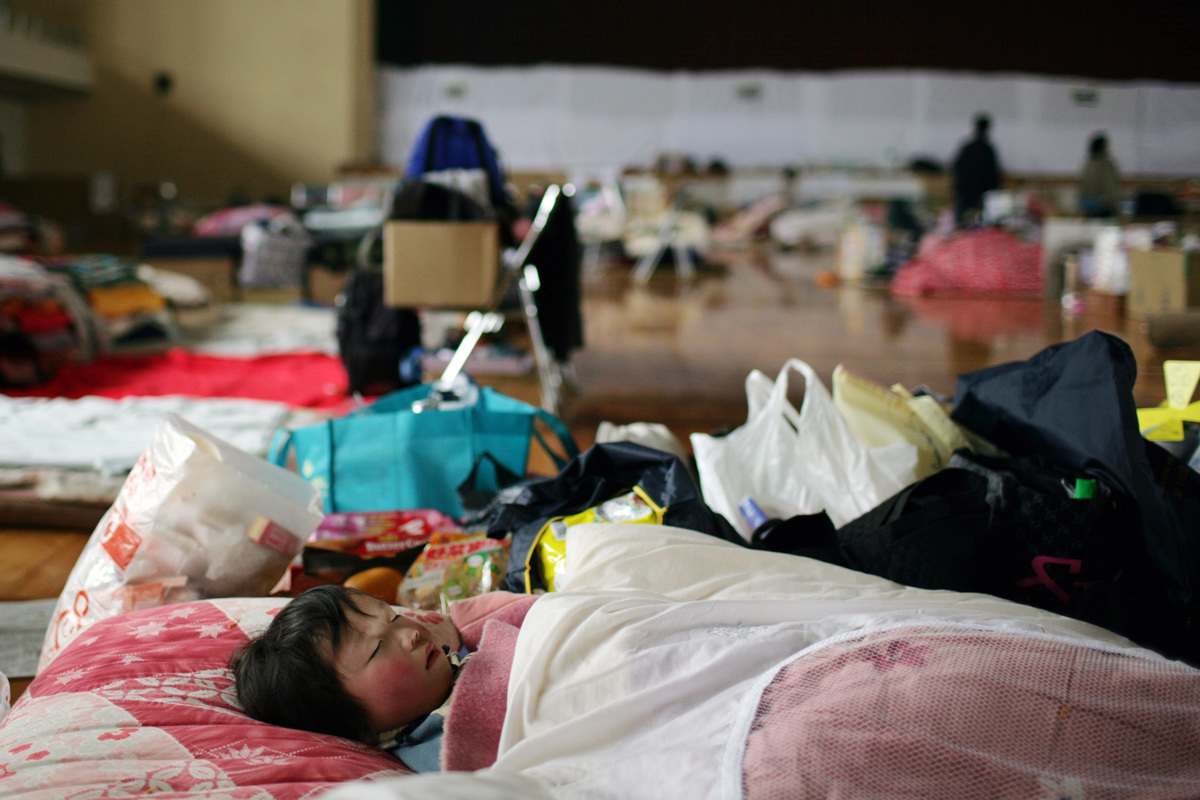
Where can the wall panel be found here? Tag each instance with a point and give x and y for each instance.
(595, 117)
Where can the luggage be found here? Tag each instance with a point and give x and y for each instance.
(1033, 408)
(274, 253)
(604, 472)
(558, 256)
(1019, 528)
(1155, 204)
(418, 198)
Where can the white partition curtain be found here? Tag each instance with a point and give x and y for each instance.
(587, 119)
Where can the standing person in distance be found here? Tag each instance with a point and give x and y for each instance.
(976, 170)
(1099, 182)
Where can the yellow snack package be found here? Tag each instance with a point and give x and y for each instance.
(549, 552)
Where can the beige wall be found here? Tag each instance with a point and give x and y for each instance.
(12, 136)
(266, 93)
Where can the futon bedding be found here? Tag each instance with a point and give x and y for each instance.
(672, 664)
(677, 665)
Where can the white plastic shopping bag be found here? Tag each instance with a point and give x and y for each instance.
(196, 518)
(790, 462)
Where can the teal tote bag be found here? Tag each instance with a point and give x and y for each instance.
(388, 457)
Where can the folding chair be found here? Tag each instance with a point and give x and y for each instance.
(668, 237)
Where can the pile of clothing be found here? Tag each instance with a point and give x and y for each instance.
(44, 323)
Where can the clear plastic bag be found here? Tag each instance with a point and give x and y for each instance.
(196, 518)
(481, 572)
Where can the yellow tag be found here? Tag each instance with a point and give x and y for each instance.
(1165, 423)
(1181, 378)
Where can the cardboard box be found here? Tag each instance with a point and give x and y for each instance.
(440, 264)
(1162, 281)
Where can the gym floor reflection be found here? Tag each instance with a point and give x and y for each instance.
(678, 351)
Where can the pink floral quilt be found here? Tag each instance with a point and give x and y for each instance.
(142, 704)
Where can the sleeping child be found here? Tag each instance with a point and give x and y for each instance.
(341, 662)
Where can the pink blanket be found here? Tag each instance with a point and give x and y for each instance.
(988, 261)
(489, 625)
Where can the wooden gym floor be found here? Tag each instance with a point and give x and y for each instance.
(678, 353)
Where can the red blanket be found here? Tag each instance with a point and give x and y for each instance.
(302, 380)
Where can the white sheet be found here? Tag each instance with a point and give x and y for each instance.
(98, 433)
(625, 693)
(256, 329)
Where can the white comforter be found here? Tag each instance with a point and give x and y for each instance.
(641, 679)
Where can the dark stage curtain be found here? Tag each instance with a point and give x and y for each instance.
(1102, 39)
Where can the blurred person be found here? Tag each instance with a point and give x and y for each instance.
(1099, 183)
(976, 170)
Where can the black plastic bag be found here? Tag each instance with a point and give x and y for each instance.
(1011, 527)
(1072, 403)
(600, 473)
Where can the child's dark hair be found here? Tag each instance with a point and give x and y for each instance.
(286, 676)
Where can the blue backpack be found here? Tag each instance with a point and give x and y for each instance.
(457, 143)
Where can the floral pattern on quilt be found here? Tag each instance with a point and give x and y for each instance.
(143, 704)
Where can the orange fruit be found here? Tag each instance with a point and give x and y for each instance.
(379, 582)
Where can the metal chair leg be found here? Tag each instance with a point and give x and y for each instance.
(549, 375)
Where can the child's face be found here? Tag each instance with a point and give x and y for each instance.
(390, 665)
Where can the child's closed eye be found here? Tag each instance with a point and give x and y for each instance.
(379, 644)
